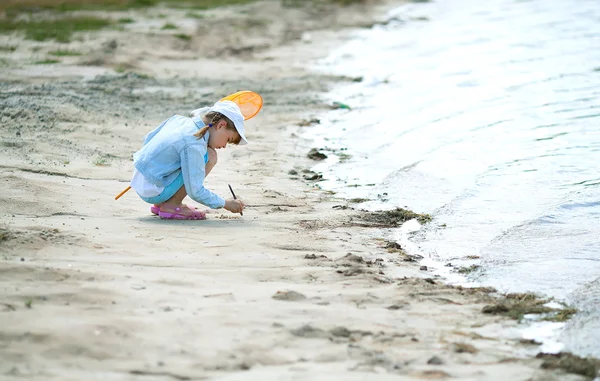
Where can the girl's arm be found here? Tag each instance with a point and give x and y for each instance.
(194, 172)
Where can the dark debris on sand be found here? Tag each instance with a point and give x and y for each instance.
(585, 366)
(393, 218)
(5, 234)
(517, 305)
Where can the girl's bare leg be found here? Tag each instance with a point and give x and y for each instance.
(176, 202)
(174, 206)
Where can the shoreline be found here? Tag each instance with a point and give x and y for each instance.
(289, 290)
(363, 195)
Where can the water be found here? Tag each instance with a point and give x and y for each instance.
(487, 116)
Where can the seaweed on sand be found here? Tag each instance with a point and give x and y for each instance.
(517, 305)
(395, 247)
(469, 269)
(585, 366)
(393, 218)
(562, 315)
(5, 234)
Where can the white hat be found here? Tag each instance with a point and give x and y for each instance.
(232, 111)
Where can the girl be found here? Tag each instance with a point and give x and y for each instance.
(179, 154)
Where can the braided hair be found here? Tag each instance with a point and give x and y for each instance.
(215, 117)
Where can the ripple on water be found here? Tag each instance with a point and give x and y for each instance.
(489, 121)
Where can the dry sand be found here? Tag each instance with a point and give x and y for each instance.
(93, 288)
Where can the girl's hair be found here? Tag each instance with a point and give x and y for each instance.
(214, 118)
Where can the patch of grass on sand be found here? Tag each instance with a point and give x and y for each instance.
(15, 6)
(206, 4)
(120, 68)
(64, 53)
(168, 26)
(47, 61)
(101, 161)
(393, 218)
(570, 363)
(60, 30)
(126, 20)
(184, 37)
(195, 15)
(8, 48)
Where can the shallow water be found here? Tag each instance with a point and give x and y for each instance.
(487, 116)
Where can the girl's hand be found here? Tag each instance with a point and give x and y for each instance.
(234, 206)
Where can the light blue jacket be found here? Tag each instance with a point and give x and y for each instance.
(172, 148)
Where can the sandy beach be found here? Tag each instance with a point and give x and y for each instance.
(299, 288)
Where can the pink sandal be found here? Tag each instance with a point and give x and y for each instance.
(177, 215)
(155, 209)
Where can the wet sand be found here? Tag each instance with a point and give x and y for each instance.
(295, 289)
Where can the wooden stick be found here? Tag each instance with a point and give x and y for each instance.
(122, 193)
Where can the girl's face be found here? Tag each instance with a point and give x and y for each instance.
(220, 136)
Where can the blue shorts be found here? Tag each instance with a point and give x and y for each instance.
(167, 193)
(170, 189)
